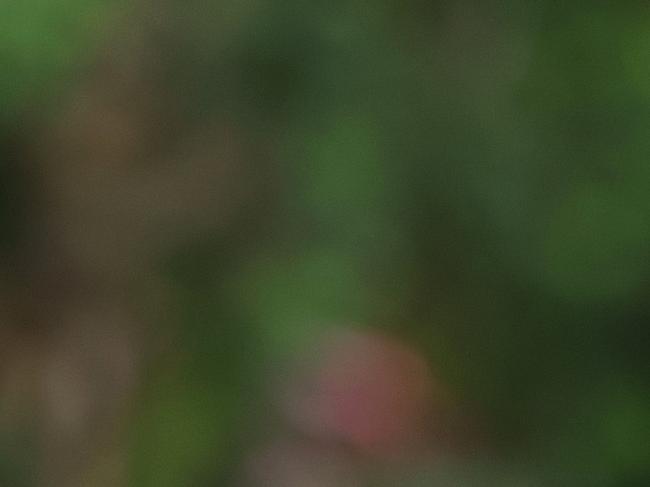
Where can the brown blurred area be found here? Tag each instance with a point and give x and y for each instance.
(117, 180)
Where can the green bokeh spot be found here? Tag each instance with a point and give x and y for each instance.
(41, 43)
(595, 245)
(179, 435)
(292, 297)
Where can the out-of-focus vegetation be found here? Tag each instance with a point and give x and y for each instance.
(193, 195)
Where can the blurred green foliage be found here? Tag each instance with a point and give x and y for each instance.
(42, 45)
(472, 176)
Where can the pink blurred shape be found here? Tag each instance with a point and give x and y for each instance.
(365, 389)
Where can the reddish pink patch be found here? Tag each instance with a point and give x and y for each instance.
(369, 391)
